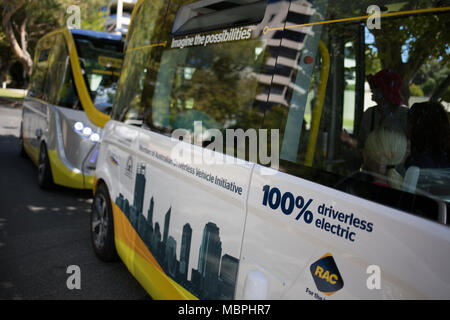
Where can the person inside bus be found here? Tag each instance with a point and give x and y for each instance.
(383, 151)
(390, 111)
(429, 133)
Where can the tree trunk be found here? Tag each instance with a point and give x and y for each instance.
(19, 51)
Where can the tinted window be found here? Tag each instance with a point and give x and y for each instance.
(58, 90)
(101, 62)
(351, 120)
(65, 93)
(128, 106)
(40, 68)
(216, 83)
(307, 76)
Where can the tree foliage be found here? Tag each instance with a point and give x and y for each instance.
(24, 22)
(406, 44)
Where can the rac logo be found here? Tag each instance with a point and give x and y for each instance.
(326, 275)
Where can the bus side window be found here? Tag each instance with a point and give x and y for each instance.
(358, 136)
(64, 93)
(207, 84)
(216, 84)
(130, 99)
(47, 87)
(39, 72)
(67, 95)
(52, 82)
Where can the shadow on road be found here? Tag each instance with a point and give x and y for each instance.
(19, 182)
(42, 232)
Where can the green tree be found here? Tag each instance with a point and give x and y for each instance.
(5, 57)
(92, 16)
(404, 43)
(24, 22)
(417, 41)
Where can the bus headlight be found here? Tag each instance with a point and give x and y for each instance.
(95, 137)
(79, 126)
(86, 132)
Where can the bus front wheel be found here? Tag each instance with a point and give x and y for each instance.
(45, 177)
(102, 226)
(22, 151)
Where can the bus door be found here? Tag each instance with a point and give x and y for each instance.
(207, 73)
(327, 224)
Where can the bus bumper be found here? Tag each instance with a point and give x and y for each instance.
(66, 177)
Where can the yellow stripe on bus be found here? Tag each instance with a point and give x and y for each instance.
(318, 107)
(382, 15)
(131, 26)
(32, 151)
(97, 117)
(61, 174)
(141, 263)
(64, 176)
(162, 44)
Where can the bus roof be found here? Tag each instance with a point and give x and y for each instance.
(96, 34)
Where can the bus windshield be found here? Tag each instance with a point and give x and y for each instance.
(101, 61)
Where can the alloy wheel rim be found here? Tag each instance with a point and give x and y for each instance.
(41, 165)
(99, 221)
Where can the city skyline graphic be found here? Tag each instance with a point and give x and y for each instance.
(216, 274)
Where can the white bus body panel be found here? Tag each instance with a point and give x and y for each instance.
(411, 252)
(189, 198)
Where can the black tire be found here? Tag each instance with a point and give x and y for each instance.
(102, 226)
(22, 151)
(45, 177)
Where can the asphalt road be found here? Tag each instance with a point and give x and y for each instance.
(42, 233)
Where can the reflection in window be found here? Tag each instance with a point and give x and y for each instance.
(363, 142)
(312, 86)
(101, 62)
(216, 85)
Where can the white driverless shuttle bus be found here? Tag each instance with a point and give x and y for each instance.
(71, 92)
(290, 149)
